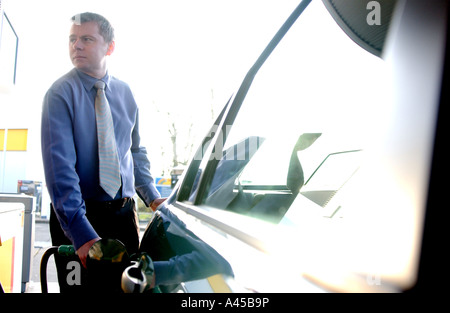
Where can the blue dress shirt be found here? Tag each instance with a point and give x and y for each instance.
(70, 149)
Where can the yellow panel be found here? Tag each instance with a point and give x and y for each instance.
(16, 140)
(218, 285)
(2, 139)
(7, 265)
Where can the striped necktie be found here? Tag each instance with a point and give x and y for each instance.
(109, 171)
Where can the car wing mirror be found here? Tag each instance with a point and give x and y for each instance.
(295, 178)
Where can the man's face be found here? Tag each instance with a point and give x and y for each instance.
(88, 49)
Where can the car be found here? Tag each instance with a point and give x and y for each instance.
(316, 175)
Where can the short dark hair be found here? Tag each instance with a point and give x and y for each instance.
(104, 26)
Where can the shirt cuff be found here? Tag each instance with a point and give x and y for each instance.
(149, 194)
(81, 232)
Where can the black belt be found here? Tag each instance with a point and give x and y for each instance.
(107, 205)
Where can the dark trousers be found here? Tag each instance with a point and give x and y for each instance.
(111, 220)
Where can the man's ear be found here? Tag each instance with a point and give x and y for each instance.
(111, 47)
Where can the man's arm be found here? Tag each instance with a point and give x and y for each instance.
(59, 158)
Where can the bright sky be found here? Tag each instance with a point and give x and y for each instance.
(182, 57)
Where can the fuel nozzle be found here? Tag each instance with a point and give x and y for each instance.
(138, 277)
(107, 258)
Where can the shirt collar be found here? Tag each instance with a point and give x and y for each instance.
(89, 81)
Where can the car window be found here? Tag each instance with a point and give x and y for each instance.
(303, 124)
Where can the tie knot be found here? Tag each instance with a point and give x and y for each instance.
(100, 85)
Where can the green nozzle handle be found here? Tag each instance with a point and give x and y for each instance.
(66, 250)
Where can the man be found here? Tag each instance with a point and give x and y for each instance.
(82, 210)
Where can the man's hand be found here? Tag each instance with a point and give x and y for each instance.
(83, 251)
(155, 203)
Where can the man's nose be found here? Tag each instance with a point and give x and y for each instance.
(77, 44)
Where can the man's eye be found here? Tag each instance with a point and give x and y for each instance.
(87, 39)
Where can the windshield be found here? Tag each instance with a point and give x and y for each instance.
(316, 96)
